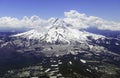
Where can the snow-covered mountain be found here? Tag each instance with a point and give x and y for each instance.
(58, 31)
(59, 46)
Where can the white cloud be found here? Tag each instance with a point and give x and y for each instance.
(25, 22)
(74, 14)
(78, 20)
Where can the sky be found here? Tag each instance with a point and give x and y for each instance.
(81, 14)
(106, 9)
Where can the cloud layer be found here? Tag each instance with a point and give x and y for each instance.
(78, 20)
(25, 22)
(81, 20)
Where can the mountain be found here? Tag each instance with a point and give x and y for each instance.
(60, 38)
(59, 32)
(61, 51)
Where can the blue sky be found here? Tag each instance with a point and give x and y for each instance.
(106, 9)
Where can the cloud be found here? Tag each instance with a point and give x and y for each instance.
(76, 19)
(81, 20)
(25, 22)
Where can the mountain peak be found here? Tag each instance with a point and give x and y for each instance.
(58, 22)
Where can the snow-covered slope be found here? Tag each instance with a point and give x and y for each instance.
(59, 31)
(32, 34)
